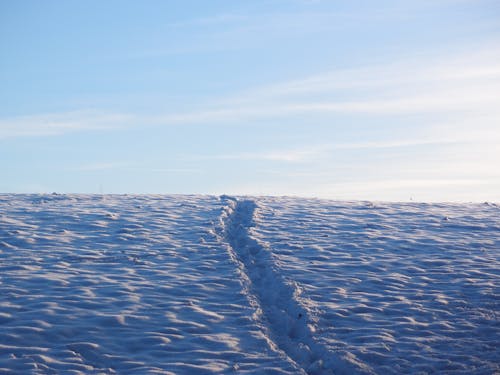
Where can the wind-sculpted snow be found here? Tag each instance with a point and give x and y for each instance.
(403, 288)
(123, 284)
(193, 284)
(285, 320)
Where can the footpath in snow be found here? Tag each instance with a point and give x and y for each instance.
(285, 321)
(123, 285)
(196, 284)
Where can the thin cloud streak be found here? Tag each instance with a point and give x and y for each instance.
(105, 166)
(420, 190)
(290, 156)
(315, 153)
(61, 123)
(379, 190)
(422, 71)
(464, 100)
(455, 85)
(458, 84)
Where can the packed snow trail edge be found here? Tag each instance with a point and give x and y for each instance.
(285, 321)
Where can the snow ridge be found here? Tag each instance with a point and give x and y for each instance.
(287, 323)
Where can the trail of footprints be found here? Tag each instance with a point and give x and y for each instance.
(285, 320)
(144, 284)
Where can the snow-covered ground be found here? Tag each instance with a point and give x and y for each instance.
(197, 284)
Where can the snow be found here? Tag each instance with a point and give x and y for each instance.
(158, 284)
(395, 287)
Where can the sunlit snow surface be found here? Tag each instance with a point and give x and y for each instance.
(193, 284)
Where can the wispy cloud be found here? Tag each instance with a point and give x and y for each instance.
(418, 72)
(459, 84)
(132, 166)
(380, 190)
(423, 189)
(318, 152)
(395, 143)
(177, 170)
(466, 85)
(61, 123)
(300, 155)
(105, 166)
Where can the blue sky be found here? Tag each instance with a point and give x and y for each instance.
(385, 100)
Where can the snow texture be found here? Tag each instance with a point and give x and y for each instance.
(197, 284)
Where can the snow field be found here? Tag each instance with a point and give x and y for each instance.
(121, 284)
(398, 288)
(196, 284)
